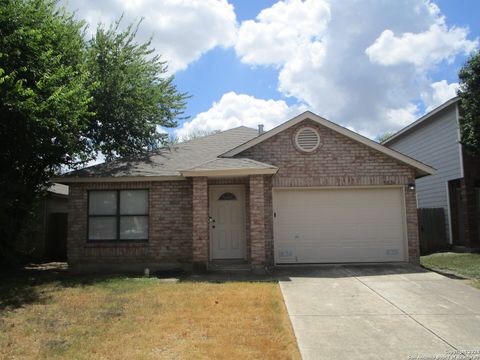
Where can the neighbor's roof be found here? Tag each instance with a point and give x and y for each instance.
(166, 162)
(421, 168)
(420, 121)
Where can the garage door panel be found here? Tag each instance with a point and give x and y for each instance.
(348, 254)
(339, 225)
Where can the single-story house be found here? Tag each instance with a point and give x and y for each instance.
(307, 191)
(435, 139)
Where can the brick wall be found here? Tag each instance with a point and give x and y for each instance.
(257, 220)
(200, 221)
(178, 223)
(339, 161)
(268, 220)
(170, 229)
(412, 226)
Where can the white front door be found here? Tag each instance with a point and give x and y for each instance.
(227, 222)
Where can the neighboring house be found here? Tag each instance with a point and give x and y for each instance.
(54, 220)
(45, 238)
(435, 140)
(308, 191)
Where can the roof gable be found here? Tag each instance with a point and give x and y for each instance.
(421, 169)
(417, 123)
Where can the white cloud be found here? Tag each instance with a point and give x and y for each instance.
(441, 91)
(234, 110)
(402, 116)
(328, 69)
(282, 31)
(422, 49)
(363, 64)
(182, 29)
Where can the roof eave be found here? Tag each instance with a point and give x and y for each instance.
(114, 179)
(420, 173)
(229, 172)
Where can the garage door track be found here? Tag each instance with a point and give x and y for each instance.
(380, 312)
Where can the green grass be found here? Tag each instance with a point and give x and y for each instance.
(461, 264)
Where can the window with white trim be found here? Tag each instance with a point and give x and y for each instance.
(117, 215)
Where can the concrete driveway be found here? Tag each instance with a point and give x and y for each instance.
(380, 312)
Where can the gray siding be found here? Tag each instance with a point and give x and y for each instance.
(434, 142)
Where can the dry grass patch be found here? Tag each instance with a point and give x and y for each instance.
(141, 318)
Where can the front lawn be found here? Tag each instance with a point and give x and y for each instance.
(142, 318)
(461, 264)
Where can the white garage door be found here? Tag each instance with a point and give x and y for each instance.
(339, 225)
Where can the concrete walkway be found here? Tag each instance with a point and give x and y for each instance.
(380, 312)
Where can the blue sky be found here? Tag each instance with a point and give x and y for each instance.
(373, 66)
(461, 13)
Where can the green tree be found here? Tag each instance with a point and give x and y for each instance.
(191, 135)
(133, 95)
(64, 99)
(469, 93)
(383, 137)
(44, 100)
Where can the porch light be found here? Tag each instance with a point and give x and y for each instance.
(411, 186)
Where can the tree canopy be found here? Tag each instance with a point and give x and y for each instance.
(65, 98)
(44, 101)
(469, 93)
(383, 137)
(132, 96)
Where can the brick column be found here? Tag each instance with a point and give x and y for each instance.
(200, 222)
(77, 225)
(412, 226)
(257, 221)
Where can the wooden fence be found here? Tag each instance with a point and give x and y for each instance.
(432, 230)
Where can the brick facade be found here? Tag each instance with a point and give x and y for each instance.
(170, 230)
(257, 220)
(200, 221)
(178, 210)
(339, 161)
(412, 226)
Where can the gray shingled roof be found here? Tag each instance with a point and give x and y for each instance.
(170, 161)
